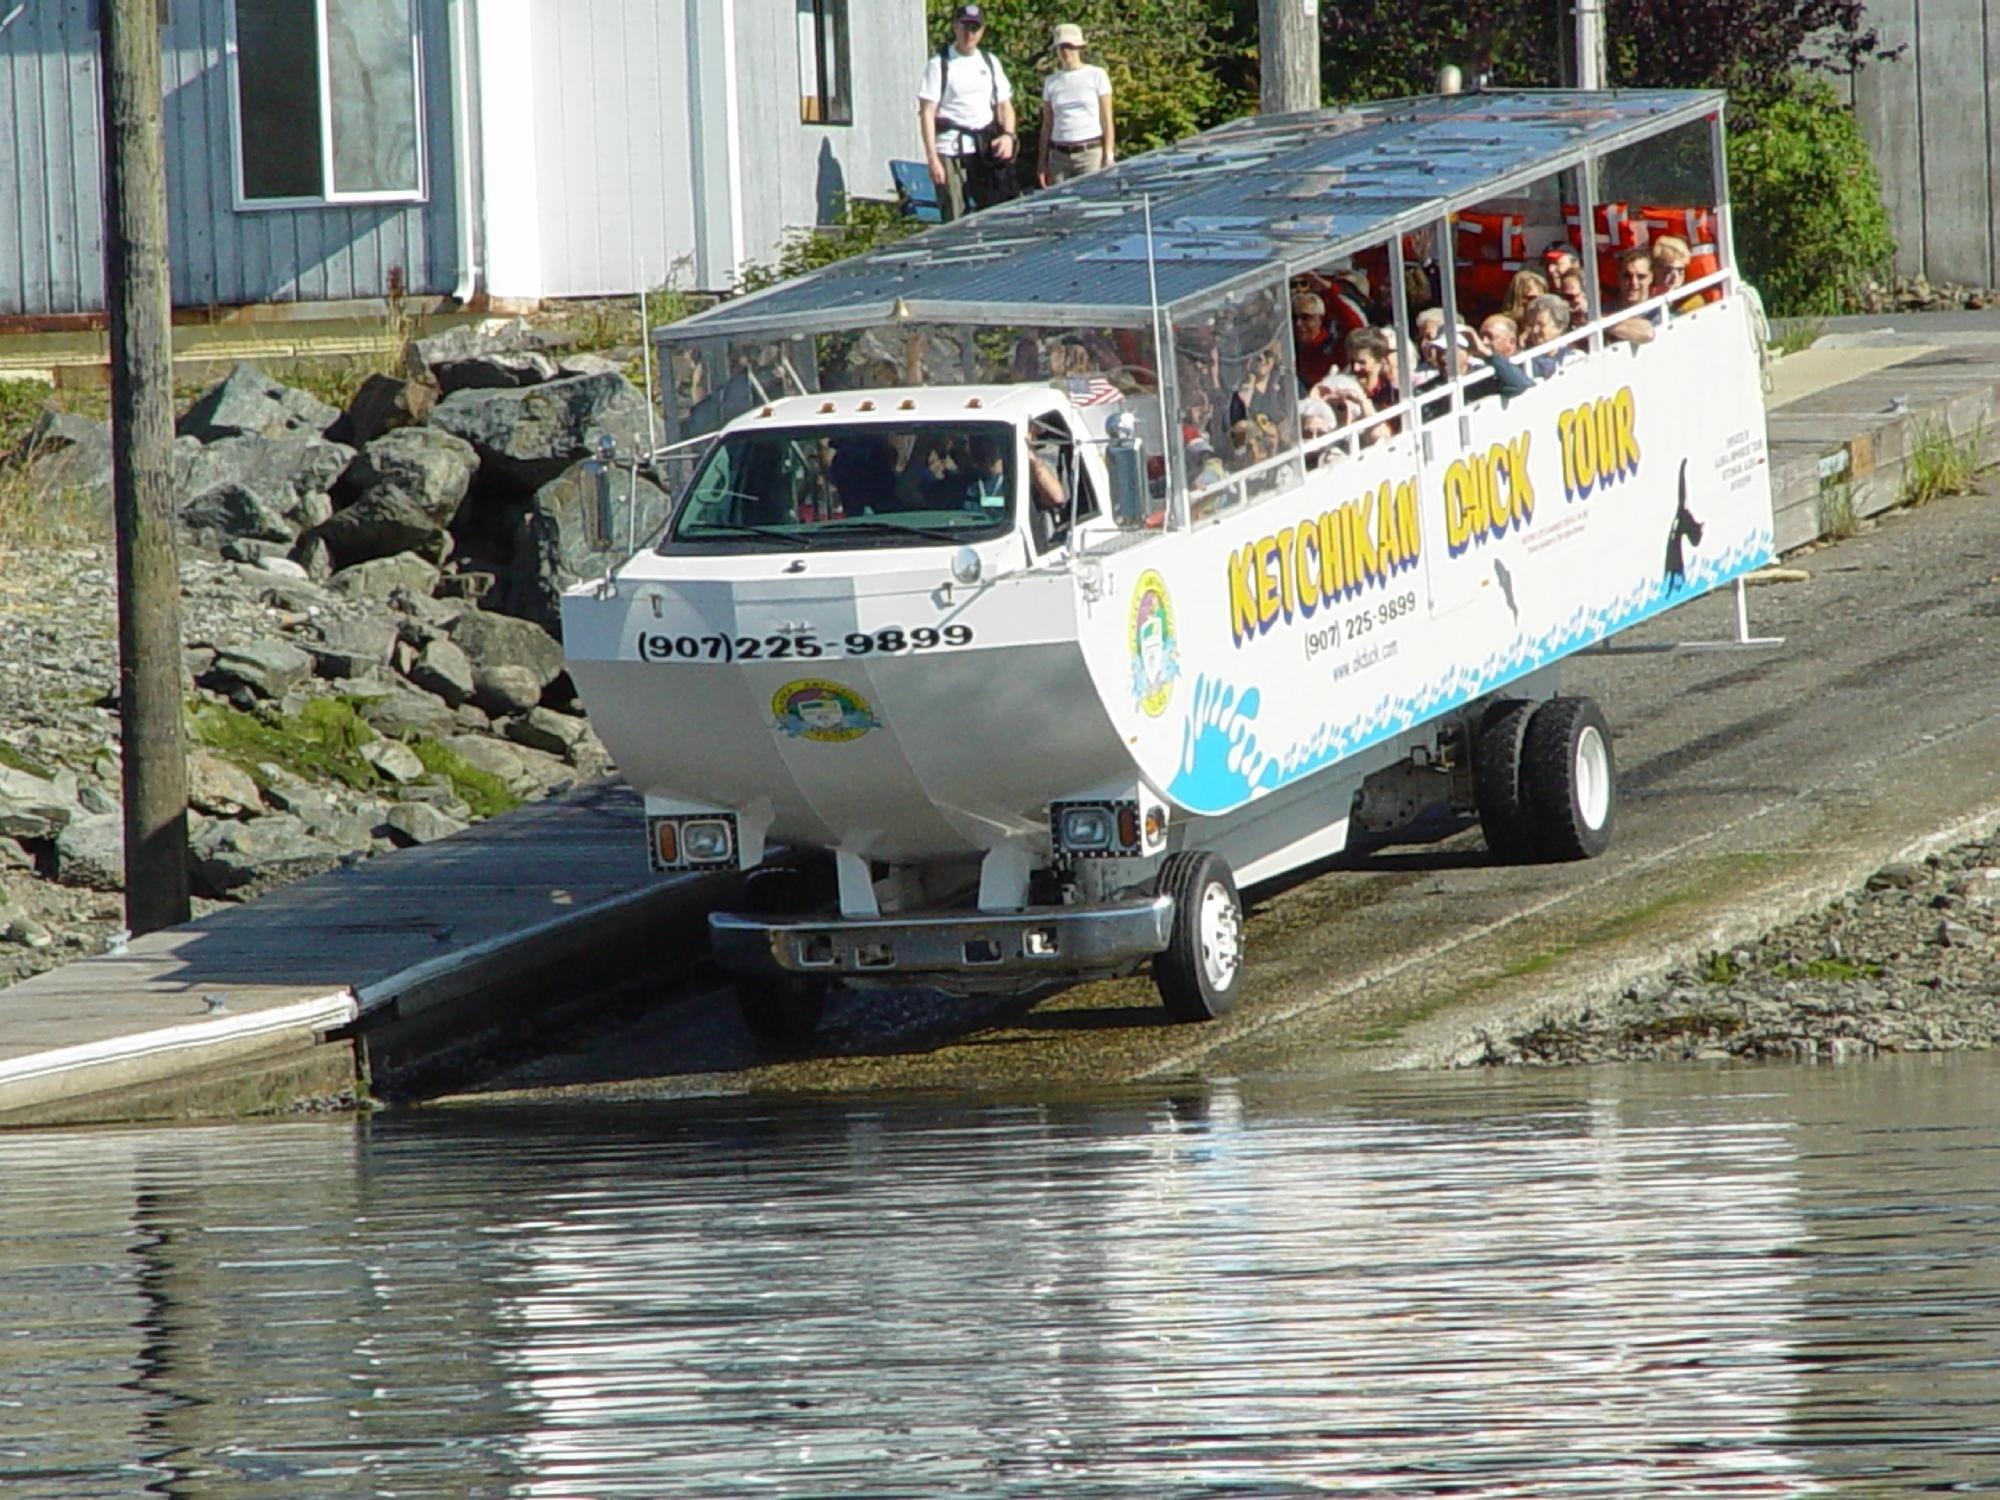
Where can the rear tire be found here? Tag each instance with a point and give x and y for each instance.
(1497, 783)
(1201, 968)
(780, 1011)
(1570, 779)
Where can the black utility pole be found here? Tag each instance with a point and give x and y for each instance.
(1288, 45)
(137, 296)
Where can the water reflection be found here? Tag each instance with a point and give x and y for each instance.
(1622, 1284)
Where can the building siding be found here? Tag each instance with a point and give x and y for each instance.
(51, 179)
(1929, 117)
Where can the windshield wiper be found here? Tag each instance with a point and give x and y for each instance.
(871, 526)
(715, 530)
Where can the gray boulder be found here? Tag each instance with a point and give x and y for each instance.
(403, 712)
(420, 823)
(249, 401)
(241, 861)
(563, 538)
(499, 371)
(443, 668)
(235, 512)
(347, 648)
(386, 403)
(383, 523)
(495, 759)
(32, 807)
(215, 786)
(380, 577)
(90, 852)
(423, 358)
(395, 760)
(287, 467)
(268, 669)
(64, 453)
(506, 690)
(494, 640)
(530, 436)
(428, 466)
(545, 730)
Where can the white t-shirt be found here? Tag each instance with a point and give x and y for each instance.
(965, 95)
(1069, 100)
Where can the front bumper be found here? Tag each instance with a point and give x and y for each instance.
(1054, 942)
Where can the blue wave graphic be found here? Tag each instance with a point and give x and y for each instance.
(1224, 765)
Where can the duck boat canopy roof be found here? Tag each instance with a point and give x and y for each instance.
(1261, 197)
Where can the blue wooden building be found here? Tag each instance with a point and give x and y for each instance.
(324, 151)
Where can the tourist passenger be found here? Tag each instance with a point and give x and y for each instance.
(1570, 287)
(965, 114)
(1635, 288)
(1315, 348)
(1525, 287)
(1547, 321)
(1261, 392)
(1078, 133)
(1558, 258)
(1502, 334)
(1670, 268)
(1368, 355)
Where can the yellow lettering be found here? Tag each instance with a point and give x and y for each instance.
(1243, 593)
(1520, 486)
(1628, 439)
(1270, 600)
(1286, 539)
(1406, 519)
(1566, 438)
(1307, 566)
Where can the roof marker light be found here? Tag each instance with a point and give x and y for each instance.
(908, 404)
(767, 411)
(825, 407)
(867, 406)
(973, 403)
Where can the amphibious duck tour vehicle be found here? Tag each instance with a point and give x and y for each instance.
(1020, 574)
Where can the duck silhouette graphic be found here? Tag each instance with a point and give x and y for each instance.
(1685, 530)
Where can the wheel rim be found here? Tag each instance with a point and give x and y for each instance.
(1593, 777)
(1221, 933)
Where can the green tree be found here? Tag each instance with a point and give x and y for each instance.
(1164, 58)
(1807, 207)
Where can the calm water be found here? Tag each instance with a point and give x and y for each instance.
(1622, 1283)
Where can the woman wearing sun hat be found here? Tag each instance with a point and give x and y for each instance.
(1077, 132)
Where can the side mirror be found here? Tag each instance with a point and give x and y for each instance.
(1125, 459)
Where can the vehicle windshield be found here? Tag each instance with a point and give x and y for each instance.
(918, 484)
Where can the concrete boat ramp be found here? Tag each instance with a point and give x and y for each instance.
(387, 969)
(409, 966)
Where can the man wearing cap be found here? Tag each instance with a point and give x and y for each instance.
(965, 111)
(1316, 349)
(1078, 135)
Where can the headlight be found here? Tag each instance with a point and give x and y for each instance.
(1106, 830)
(1085, 828)
(706, 841)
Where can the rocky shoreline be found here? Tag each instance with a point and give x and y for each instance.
(1910, 963)
(368, 614)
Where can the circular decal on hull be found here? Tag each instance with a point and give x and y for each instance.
(1155, 648)
(827, 713)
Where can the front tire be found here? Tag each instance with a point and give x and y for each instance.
(780, 1011)
(1569, 779)
(1201, 968)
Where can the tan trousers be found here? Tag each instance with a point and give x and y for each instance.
(1065, 163)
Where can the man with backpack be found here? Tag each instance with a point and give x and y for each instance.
(965, 109)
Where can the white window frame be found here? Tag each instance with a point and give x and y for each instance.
(245, 204)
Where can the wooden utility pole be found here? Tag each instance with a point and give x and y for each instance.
(1288, 49)
(137, 296)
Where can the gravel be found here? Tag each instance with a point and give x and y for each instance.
(1910, 963)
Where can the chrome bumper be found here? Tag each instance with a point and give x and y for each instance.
(1053, 941)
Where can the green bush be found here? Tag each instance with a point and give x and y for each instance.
(862, 225)
(1807, 207)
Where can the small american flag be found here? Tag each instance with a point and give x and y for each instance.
(1093, 390)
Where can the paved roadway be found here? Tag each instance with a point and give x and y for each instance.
(1755, 785)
